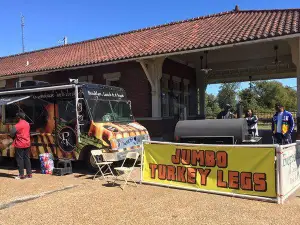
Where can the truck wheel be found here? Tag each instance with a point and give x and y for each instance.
(90, 162)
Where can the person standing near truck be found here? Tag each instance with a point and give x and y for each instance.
(21, 135)
(282, 125)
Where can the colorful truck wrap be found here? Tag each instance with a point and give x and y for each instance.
(70, 120)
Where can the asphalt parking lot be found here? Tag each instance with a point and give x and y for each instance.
(77, 199)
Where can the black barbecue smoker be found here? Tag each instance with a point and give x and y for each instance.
(214, 131)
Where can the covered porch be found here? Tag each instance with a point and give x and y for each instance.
(274, 58)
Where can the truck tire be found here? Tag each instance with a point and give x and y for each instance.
(90, 162)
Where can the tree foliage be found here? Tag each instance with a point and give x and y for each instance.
(267, 93)
(261, 98)
(227, 94)
(211, 105)
(249, 99)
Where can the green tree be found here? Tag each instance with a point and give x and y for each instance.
(270, 92)
(249, 99)
(227, 94)
(211, 106)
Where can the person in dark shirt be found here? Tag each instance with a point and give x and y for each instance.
(21, 135)
(226, 114)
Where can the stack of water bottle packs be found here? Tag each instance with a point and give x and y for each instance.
(47, 163)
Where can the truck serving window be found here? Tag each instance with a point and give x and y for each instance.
(10, 114)
(27, 106)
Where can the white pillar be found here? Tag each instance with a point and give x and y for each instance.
(295, 51)
(297, 58)
(153, 71)
(201, 88)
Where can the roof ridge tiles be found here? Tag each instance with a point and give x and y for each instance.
(220, 28)
(123, 33)
(153, 27)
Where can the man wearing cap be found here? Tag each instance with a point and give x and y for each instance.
(226, 114)
(282, 125)
(21, 135)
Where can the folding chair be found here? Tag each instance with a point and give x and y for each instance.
(125, 172)
(99, 154)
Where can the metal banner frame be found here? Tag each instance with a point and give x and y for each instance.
(269, 199)
(284, 191)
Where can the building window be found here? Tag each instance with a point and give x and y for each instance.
(165, 95)
(25, 78)
(86, 79)
(115, 83)
(186, 94)
(2, 84)
(112, 79)
(176, 95)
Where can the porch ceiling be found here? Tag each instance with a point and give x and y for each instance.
(237, 63)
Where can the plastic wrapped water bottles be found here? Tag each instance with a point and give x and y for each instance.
(47, 163)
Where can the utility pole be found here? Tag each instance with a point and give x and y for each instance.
(22, 28)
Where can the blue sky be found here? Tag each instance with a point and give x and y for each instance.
(47, 22)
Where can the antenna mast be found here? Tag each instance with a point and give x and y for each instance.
(22, 28)
(65, 40)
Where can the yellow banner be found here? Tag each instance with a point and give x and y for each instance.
(234, 169)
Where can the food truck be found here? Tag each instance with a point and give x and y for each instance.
(70, 120)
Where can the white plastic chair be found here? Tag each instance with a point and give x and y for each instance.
(99, 154)
(125, 172)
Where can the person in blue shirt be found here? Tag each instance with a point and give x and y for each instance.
(282, 125)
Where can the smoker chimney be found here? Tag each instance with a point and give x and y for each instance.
(236, 9)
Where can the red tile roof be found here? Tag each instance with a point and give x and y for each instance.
(202, 32)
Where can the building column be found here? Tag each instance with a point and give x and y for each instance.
(298, 89)
(295, 50)
(153, 71)
(201, 80)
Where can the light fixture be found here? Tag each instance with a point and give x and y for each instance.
(206, 70)
(201, 58)
(276, 61)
